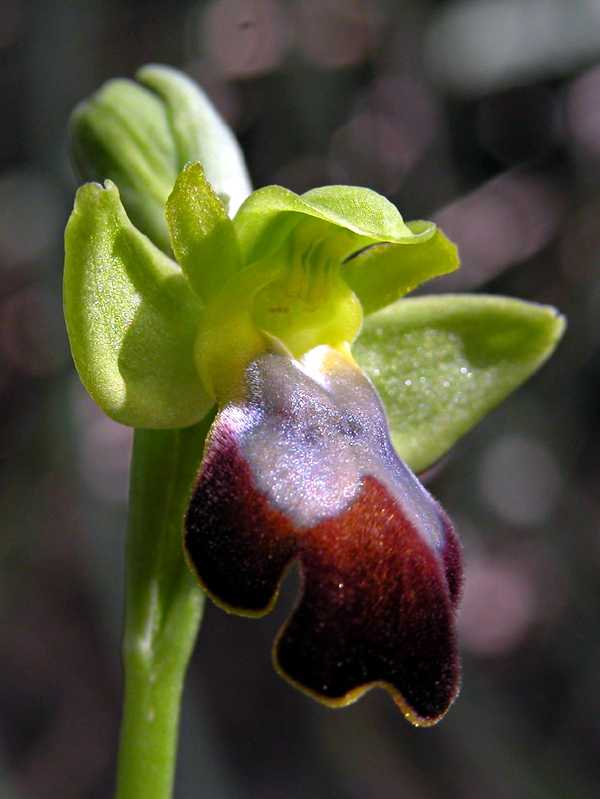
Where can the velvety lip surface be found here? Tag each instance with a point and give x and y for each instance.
(303, 469)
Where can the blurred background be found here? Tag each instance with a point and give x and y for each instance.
(481, 114)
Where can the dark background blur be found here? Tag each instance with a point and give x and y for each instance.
(483, 115)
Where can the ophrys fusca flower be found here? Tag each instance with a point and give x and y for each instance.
(287, 324)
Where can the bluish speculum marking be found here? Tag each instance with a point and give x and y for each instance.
(318, 429)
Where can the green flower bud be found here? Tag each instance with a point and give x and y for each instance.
(141, 136)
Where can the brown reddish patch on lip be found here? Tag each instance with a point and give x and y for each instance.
(377, 606)
(376, 610)
(237, 544)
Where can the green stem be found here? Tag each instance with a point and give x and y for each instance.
(163, 608)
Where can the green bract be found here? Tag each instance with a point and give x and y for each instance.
(158, 341)
(142, 136)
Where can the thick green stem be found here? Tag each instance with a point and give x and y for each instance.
(163, 609)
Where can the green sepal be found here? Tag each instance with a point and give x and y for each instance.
(383, 273)
(441, 363)
(122, 132)
(131, 317)
(340, 219)
(202, 235)
(199, 132)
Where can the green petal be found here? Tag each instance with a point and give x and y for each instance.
(351, 218)
(131, 317)
(122, 132)
(202, 235)
(383, 273)
(441, 363)
(200, 133)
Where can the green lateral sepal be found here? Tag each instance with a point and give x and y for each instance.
(131, 317)
(441, 363)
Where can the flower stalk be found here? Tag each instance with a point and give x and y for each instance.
(164, 609)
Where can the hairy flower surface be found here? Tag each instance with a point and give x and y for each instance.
(328, 387)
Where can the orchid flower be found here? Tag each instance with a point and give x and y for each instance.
(279, 320)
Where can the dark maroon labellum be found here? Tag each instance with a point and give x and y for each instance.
(303, 468)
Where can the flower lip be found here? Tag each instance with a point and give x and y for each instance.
(302, 468)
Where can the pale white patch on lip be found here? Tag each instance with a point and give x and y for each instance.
(313, 430)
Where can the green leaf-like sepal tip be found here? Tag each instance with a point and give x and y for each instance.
(441, 363)
(131, 317)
